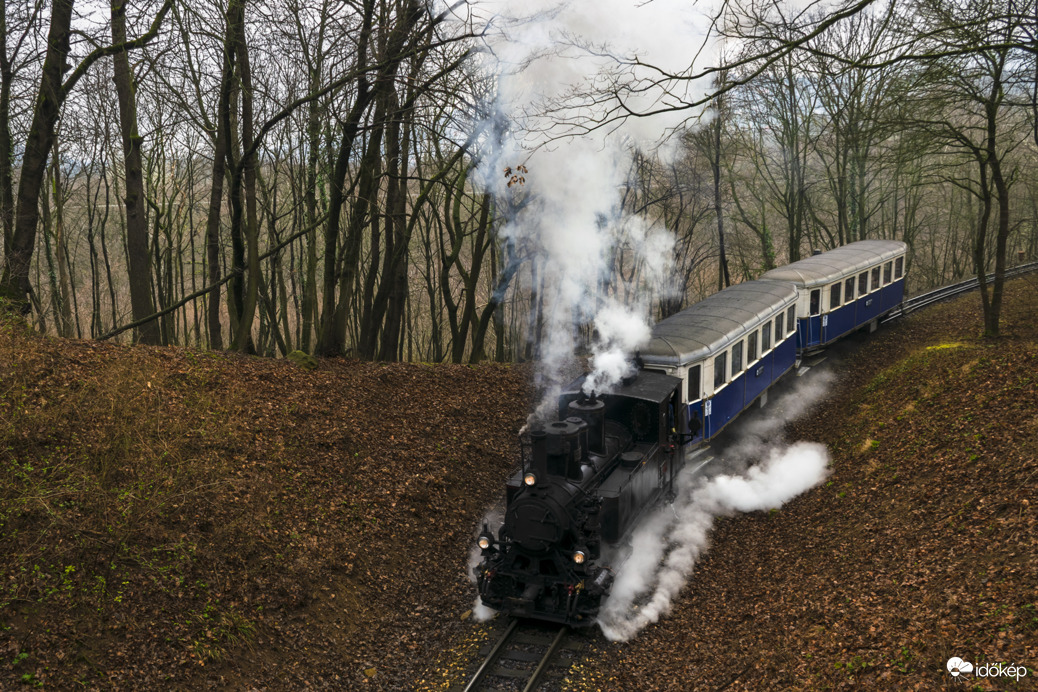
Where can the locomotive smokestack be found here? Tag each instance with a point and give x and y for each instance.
(592, 412)
(539, 452)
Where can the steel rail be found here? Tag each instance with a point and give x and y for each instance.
(950, 291)
(543, 665)
(491, 658)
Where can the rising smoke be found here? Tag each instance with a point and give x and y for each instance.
(553, 60)
(664, 550)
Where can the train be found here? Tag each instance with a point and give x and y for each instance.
(585, 479)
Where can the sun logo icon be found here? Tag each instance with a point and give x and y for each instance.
(956, 666)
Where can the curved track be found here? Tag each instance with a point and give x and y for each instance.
(945, 292)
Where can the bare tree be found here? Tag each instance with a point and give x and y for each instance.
(139, 268)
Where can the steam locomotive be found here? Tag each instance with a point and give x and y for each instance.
(586, 478)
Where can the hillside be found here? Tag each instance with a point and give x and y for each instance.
(921, 545)
(182, 519)
(176, 519)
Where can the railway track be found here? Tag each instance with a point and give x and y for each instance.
(945, 292)
(526, 656)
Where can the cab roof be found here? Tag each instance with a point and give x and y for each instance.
(647, 386)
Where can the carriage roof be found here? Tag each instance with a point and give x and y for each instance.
(712, 324)
(836, 264)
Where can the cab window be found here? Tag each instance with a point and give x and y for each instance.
(816, 301)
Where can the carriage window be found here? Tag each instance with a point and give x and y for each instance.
(720, 369)
(863, 283)
(765, 340)
(778, 329)
(737, 359)
(791, 319)
(899, 267)
(751, 344)
(693, 383)
(848, 289)
(816, 301)
(875, 278)
(886, 272)
(834, 297)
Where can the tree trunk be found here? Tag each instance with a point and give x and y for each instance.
(212, 228)
(723, 276)
(136, 214)
(993, 311)
(247, 267)
(63, 315)
(15, 284)
(6, 175)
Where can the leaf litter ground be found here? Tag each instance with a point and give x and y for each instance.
(187, 520)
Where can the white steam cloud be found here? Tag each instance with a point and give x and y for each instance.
(664, 550)
(554, 61)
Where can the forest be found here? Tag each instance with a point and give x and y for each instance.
(331, 176)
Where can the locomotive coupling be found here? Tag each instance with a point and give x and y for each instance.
(602, 581)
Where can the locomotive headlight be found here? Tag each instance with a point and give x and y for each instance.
(530, 479)
(484, 542)
(579, 557)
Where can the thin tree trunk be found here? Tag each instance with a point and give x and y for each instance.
(6, 175)
(723, 277)
(64, 316)
(139, 260)
(245, 172)
(212, 229)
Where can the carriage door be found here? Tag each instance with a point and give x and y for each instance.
(814, 322)
(695, 417)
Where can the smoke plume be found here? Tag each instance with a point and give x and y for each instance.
(664, 550)
(559, 177)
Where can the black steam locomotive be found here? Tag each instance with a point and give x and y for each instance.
(584, 480)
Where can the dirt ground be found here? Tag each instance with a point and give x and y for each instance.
(183, 520)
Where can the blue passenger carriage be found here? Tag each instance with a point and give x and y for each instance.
(844, 289)
(728, 350)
